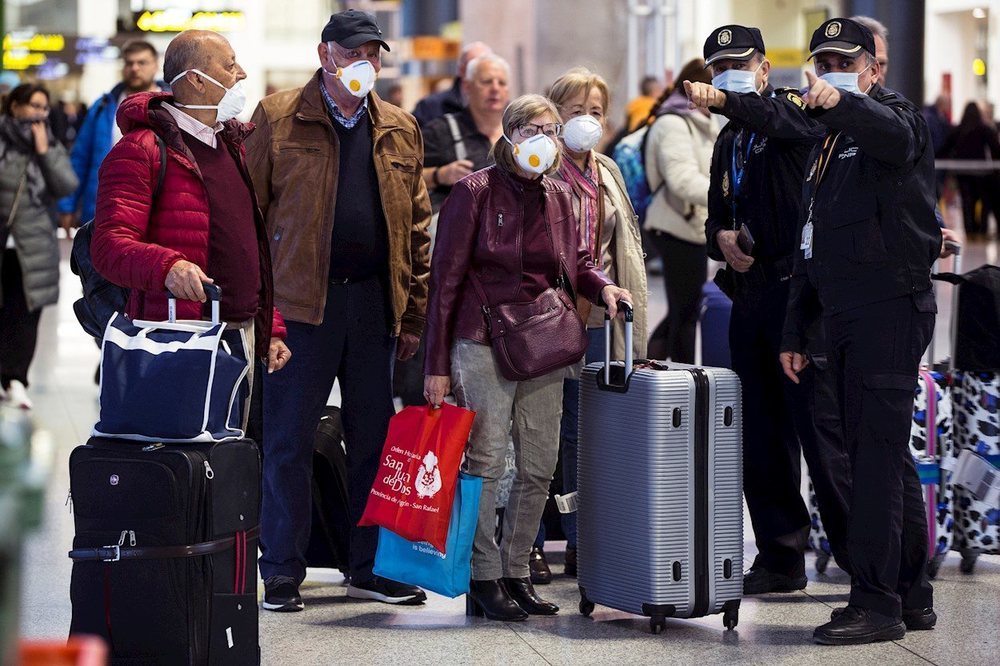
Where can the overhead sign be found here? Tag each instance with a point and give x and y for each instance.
(28, 41)
(179, 20)
(24, 49)
(53, 56)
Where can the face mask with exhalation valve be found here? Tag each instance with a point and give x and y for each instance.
(535, 155)
(358, 77)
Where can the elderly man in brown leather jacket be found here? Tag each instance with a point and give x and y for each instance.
(338, 175)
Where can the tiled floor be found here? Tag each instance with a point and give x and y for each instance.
(772, 630)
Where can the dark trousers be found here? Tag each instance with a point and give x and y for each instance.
(18, 326)
(973, 189)
(822, 437)
(878, 349)
(569, 436)
(684, 268)
(772, 467)
(354, 345)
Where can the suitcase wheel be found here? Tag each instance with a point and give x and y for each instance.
(822, 562)
(586, 606)
(969, 558)
(731, 618)
(934, 565)
(657, 624)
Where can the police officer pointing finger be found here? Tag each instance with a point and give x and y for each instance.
(754, 198)
(867, 241)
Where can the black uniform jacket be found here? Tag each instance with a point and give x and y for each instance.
(768, 141)
(870, 193)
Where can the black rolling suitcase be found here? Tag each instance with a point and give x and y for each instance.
(164, 558)
(329, 539)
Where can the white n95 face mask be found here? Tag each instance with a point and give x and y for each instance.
(535, 155)
(581, 134)
(358, 77)
(231, 104)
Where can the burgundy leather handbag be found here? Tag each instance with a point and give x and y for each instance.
(534, 338)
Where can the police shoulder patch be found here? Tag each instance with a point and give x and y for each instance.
(794, 98)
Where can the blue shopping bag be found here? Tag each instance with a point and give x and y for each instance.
(172, 381)
(419, 563)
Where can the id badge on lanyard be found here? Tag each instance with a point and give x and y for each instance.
(818, 170)
(807, 235)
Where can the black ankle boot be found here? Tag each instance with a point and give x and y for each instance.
(523, 593)
(570, 568)
(538, 566)
(489, 599)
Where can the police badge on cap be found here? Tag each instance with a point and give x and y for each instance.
(843, 36)
(732, 42)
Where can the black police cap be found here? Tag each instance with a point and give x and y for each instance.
(353, 28)
(732, 42)
(843, 36)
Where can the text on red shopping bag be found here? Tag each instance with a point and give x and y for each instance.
(414, 489)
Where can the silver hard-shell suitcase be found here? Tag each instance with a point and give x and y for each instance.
(660, 489)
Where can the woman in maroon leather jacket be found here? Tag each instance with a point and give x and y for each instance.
(511, 226)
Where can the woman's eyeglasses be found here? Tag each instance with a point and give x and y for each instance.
(551, 130)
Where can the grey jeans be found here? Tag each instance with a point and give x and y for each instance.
(535, 406)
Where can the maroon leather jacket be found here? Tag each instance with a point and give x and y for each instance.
(470, 239)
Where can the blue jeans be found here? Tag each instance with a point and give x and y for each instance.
(352, 344)
(568, 437)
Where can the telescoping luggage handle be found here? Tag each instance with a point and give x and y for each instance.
(214, 293)
(953, 324)
(626, 307)
(956, 249)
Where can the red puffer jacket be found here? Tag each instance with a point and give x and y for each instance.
(135, 243)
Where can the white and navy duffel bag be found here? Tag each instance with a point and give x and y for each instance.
(172, 381)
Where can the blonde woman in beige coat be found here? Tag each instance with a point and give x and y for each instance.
(609, 228)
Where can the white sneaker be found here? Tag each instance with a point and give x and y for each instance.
(17, 395)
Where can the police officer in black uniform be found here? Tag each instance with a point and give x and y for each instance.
(866, 245)
(756, 190)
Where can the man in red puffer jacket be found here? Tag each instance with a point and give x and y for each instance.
(204, 225)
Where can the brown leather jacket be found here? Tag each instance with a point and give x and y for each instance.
(470, 240)
(294, 162)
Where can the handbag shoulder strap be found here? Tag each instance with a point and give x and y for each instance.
(17, 195)
(456, 136)
(562, 275)
(561, 278)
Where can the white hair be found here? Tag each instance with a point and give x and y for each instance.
(877, 27)
(485, 59)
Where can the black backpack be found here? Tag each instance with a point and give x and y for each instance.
(101, 298)
(329, 539)
(975, 345)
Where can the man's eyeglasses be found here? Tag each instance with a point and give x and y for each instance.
(551, 130)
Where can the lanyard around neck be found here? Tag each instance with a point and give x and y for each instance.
(825, 157)
(739, 167)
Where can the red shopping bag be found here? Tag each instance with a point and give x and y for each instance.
(414, 489)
